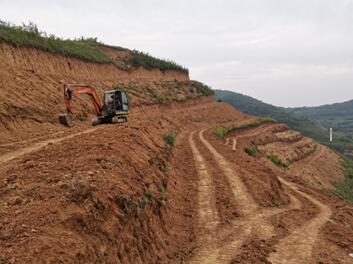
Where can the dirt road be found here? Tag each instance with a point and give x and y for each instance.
(297, 247)
(223, 245)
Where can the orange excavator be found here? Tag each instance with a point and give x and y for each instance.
(115, 107)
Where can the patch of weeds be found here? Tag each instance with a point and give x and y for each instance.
(159, 99)
(142, 59)
(170, 139)
(80, 191)
(144, 200)
(277, 161)
(202, 88)
(252, 151)
(344, 189)
(220, 132)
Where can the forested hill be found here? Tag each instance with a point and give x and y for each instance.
(310, 127)
(339, 116)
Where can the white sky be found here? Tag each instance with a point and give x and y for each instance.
(284, 52)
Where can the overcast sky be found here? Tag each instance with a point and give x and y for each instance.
(284, 52)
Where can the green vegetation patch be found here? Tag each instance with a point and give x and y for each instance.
(203, 88)
(142, 59)
(30, 36)
(220, 132)
(311, 122)
(86, 49)
(276, 160)
(170, 139)
(344, 189)
(252, 151)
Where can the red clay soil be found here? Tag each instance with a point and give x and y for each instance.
(31, 93)
(121, 194)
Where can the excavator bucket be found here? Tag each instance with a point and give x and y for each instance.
(65, 119)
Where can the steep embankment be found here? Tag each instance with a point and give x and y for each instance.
(32, 82)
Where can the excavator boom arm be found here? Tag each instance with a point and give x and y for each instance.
(72, 89)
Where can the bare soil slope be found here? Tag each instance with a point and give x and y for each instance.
(121, 194)
(31, 93)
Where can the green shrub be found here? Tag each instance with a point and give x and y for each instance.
(170, 139)
(220, 132)
(344, 189)
(276, 160)
(252, 151)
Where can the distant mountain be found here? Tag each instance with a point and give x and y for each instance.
(300, 119)
(339, 116)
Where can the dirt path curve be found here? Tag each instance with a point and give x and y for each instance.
(208, 216)
(298, 245)
(36, 146)
(244, 199)
(221, 244)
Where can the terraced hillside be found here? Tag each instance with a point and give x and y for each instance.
(164, 187)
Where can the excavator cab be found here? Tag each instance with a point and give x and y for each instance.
(115, 108)
(115, 102)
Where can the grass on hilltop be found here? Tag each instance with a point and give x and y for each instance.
(86, 49)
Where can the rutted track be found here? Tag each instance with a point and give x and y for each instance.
(222, 244)
(298, 245)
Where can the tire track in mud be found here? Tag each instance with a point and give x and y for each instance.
(208, 216)
(37, 146)
(221, 245)
(297, 247)
(244, 199)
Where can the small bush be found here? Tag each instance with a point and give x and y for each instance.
(170, 139)
(276, 160)
(220, 132)
(252, 151)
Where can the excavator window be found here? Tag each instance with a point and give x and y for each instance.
(125, 105)
(118, 103)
